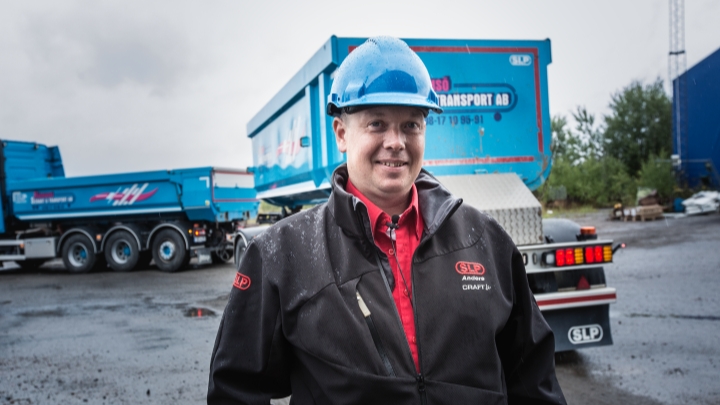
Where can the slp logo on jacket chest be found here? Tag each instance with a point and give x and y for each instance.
(472, 271)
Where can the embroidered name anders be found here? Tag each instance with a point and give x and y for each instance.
(472, 272)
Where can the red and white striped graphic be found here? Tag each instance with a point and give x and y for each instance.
(127, 196)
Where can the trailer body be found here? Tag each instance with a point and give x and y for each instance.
(490, 146)
(496, 117)
(38, 200)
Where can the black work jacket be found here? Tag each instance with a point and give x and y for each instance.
(296, 326)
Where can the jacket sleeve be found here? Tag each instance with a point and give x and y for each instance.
(527, 347)
(250, 362)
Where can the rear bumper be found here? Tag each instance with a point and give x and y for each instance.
(575, 299)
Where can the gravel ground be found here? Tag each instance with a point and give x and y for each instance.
(146, 337)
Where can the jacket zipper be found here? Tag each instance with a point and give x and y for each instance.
(420, 378)
(375, 336)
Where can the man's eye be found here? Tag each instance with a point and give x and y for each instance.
(376, 124)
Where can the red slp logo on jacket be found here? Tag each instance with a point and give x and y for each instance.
(470, 268)
(241, 281)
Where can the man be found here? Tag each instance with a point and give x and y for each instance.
(360, 300)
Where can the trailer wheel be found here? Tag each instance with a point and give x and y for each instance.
(168, 251)
(78, 254)
(121, 251)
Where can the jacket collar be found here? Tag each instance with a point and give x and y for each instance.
(435, 201)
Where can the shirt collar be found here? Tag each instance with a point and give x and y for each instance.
(378, 218)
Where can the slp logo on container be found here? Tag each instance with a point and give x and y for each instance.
(520, 60)
(241, 281)
(585, 334)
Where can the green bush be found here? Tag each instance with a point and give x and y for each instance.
(657, 174)
(600, 182)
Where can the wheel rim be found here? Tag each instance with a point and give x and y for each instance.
(121, 251)
(78, 255)
(167, 250)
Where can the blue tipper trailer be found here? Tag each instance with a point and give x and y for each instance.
(123, 220)
(490, 146)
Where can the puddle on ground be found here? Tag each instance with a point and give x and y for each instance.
(198, 312)
(43, 313)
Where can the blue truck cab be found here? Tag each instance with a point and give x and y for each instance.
(122, 219)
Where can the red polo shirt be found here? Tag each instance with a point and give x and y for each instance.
(407, 239)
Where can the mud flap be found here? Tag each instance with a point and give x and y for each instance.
(203, 256)
(578, 328)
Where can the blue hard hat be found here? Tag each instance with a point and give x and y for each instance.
(382, 71)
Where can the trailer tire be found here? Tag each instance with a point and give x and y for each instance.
(169, 252)
(121, 251)
(78, 254)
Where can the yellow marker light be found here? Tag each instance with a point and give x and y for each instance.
(579, 256)
(607, 253)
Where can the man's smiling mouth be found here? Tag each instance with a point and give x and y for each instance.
(391, 164)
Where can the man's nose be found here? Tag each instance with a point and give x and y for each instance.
(394, 139)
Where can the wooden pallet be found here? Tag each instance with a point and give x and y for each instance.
(643, 213)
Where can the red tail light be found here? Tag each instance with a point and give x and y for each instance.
(598, 254)
(580, 255)
(589, 255)
(569, 257)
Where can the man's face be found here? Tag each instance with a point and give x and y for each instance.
(384, 147)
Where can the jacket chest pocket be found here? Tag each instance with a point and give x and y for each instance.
(464, 292)
(332, 326)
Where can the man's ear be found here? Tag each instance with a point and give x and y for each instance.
(340, 129)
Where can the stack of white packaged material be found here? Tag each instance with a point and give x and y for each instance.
(504, 197)
(702, 202)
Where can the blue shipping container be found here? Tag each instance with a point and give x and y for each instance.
(496, 117)
(698, 100)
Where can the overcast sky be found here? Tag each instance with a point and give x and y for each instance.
(131, 86)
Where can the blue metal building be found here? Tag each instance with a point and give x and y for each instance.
(698, 102)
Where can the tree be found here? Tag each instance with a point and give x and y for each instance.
(560, 146)
(639, 125)
(585, 142)
(657, 173)
(589, 134)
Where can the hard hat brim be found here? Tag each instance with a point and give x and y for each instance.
(394, 99)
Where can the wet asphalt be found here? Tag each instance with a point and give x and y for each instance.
(146, 337)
